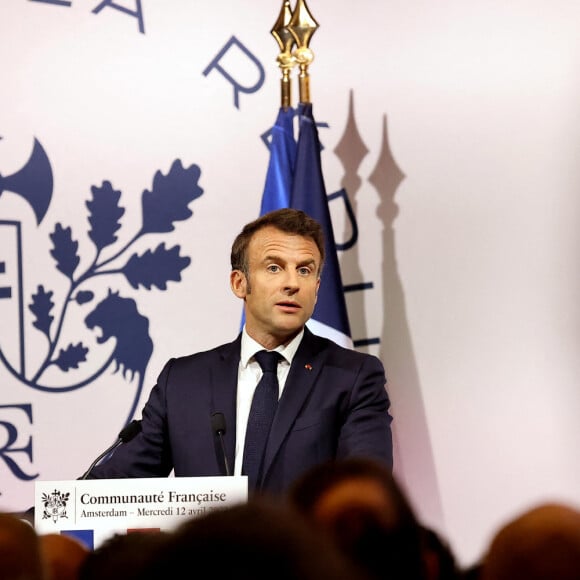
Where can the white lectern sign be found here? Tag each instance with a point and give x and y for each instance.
(95, 509)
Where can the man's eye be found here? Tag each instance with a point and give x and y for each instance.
(273, 268)
(304, 271)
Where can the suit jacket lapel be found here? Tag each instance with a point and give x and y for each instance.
(224, 380)
(305, 370)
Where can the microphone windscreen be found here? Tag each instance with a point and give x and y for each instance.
(218, 423)
(130, 431)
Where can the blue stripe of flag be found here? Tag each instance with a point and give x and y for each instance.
(278, 186)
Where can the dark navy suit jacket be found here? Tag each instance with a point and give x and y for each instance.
(334, 405)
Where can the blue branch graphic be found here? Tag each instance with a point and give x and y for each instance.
(117, 317)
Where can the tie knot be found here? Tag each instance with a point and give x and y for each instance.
(268, 360)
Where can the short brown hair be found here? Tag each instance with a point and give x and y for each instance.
(291, 221)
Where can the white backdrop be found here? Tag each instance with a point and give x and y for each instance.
(454, 128)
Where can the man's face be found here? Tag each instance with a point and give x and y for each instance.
(283, 283)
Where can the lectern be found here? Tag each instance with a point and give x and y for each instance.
(93, 510)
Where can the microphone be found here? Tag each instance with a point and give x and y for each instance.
(128, 432)
(218, 424)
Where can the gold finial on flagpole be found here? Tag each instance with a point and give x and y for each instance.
(286, 61)
(302, 26)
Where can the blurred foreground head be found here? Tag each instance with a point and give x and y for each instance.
(62, 556)
(20, 556)
(123, 556)
(541, 544)
(359, 503)
(257, 540)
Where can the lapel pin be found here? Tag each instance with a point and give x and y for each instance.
(308, 367)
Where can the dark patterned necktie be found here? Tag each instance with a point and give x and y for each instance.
(262, 412)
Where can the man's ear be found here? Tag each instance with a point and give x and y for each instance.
(238, 283)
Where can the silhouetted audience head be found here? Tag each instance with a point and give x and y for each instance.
(20, 555)
(123, 556)
(365, 511)
(62, 555)
(471, 572)
(257, 540)
(543, 543)
(438, 556)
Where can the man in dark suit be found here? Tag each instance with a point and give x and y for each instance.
(332, 401)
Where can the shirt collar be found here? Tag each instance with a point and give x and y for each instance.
(250, 347)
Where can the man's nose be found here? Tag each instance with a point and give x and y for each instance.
(291, 282)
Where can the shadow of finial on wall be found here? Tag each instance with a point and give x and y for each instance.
(414, 462)
(351, 151)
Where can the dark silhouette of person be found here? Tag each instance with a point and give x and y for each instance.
(360, 504)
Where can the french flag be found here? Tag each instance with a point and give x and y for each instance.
(294, 179)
